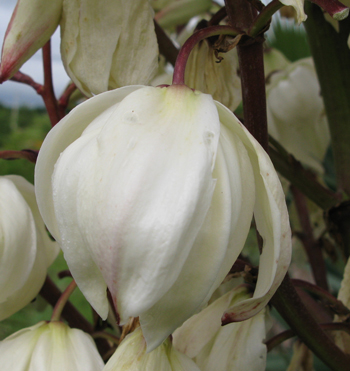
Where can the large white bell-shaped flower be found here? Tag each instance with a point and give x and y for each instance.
(150, 192)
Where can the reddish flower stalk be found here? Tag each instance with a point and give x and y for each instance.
(180, 65)
(64, 99)
(335, 8)
(27, 154)
(48, 93)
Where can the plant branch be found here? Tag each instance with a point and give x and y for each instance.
(312, 247)
(288, 304)
(334, 8)
(301, 178)
(27, 154)
(48, 93)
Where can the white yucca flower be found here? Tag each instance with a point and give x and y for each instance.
(151, 192)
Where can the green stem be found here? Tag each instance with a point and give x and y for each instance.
(332, 60)
(191, 42)
(57, 310)
(262, 21)
(289, 305)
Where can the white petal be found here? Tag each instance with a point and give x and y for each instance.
(65, 132)
(217, 246)
(237, 346)
(18, 239)
(272, 221)
(160, 160)
(198, 330)
(108, 45)
(61, 348)
(31, 26)
(298, 5)
(16, 350)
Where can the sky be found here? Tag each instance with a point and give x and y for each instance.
(16, 94)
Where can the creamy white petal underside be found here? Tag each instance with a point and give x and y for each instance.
(272, 222)
(153, 161)
(16, 350)
(45, 245)
(86, 274)
(218, 244)
(61, 348)
(298, 5)
(237, 346)
(197, 331)
(18, 239)
(108, 45)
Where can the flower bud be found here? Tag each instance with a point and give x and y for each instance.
(109, 44)
(31, 26)
(50, 346)
(131, 356)
(296, 114)
(204, 73)
(298, 5)
(150, 192)
(26, 250)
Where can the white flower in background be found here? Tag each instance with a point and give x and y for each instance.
(221, 80)
(26, 250)
(298, 5)
(235, 347)
(108, 45)
(31, 26)
(274, 61)
(131, 356)
(296, 114)
(104, 45)
(150, 192)
(49, 346)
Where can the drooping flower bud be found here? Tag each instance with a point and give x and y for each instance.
(26, 250)
(109, 44)
(31, 26)
(131, 356)
(150, 192)
(50, 346)
(296, 114)
(204, 73)
(298, 5)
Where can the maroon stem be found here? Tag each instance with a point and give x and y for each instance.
(51, 293)
(166, 46)
(27, 154)
(336, 305)
(285, 335)
(181, 61)
(251, 66)
(333, 7)
(27, 80)
(64, 99)
(218, 17)
(48, 93)
(311, 245)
